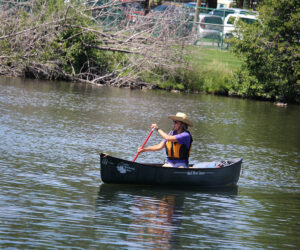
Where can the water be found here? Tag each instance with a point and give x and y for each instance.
(52, 196)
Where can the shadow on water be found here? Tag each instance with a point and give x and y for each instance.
(152, 214)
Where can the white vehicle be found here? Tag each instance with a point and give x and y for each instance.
(231, 21)
(224, 12)
(210, 26)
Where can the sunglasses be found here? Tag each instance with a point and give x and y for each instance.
(175, 122)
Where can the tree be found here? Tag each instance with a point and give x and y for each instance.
(271, 53)
(98, 42)
(247, 4)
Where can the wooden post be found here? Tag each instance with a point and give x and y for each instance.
(196, 17)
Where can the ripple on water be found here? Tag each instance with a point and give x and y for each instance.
(51, 135)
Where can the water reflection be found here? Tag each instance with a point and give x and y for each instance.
(159, 217)
(154, 216)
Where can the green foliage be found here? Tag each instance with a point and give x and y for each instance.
(271, 53)
(194, 80)
(216, 82)
(190, 79)
(57, 43)
(246, 86)
(164, 78)
(78, 57)
(75, 48)
(210, 71)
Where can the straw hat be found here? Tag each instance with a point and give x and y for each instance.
(181, 117)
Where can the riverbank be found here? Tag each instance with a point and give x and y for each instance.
(75, 42)
(211, 70)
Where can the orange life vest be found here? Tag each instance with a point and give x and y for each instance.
(177, 151)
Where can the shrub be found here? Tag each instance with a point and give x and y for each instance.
(271, 53)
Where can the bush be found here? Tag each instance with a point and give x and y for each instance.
(271, 53)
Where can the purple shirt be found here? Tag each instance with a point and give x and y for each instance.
(183, 138)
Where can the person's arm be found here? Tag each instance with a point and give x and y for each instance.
(156, 147)
(164, 135)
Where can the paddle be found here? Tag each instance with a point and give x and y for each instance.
(143, 144)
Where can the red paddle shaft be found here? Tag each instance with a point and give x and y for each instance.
(143, 144)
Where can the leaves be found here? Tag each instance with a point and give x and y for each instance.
(271, 52)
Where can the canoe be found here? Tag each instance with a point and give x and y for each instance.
(116, 170)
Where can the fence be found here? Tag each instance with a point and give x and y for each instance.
(207, 29)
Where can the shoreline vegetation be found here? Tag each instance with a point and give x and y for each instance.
(211, 70)
(95, 44)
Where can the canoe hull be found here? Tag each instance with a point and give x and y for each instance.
(115, 170)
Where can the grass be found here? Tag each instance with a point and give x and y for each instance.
(209, 70)
(212, 69)
(210, 58)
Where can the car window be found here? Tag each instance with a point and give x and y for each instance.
(213, 20)
(227, 12)
(219, 13)
(160, 8)
(222, 13)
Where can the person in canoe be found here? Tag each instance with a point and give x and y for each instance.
(177, 143)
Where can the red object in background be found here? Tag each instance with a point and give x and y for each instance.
(132, 9)
(202, 25)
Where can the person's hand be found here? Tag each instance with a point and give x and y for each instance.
(155, 126)
(140, 150)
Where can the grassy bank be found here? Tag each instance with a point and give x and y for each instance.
(210, 70)
(202, 57)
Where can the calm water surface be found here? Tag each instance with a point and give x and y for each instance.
(51, 193)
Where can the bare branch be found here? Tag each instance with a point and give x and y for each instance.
(137, 44)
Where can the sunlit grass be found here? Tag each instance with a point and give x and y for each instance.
(209, 70)
(214, 68)
(212, 58)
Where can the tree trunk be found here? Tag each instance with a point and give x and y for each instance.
(196, 17)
